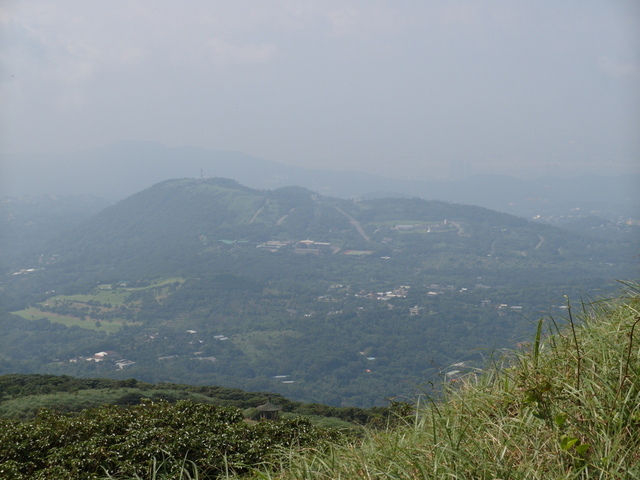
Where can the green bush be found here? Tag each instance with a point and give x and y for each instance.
(567, 406)
(151, 438)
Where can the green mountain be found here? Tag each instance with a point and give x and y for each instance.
(206, 281)
(28, 222)
(180, 226)
(23, 396)
(120, 169)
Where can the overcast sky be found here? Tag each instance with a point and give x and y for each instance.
(405, 87)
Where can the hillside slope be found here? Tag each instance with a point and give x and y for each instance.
(320, 299)
(567, 406)
(181, 225)
(121, 169)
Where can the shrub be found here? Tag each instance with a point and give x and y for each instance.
(158, 437)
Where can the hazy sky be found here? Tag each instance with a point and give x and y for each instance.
(400, 87)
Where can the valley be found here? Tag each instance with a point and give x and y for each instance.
(348, 303)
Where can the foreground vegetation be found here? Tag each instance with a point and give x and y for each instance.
(565, 406)
(157, 436)
(23, 396)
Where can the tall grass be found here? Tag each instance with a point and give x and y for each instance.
(566, 406)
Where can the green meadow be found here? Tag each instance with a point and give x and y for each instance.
(104, 309)
(109, 326)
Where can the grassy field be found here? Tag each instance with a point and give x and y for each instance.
(114, 297)
(25, 407)
(105, 298)
(34, 313)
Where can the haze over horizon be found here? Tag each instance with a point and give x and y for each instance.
(407, 89)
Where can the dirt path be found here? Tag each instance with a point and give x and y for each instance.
(266, 202)
(541, 241)
(284, 217)
(356, 224)
(459, 227)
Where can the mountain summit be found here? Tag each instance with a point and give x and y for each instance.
(322, 299)
(189, 221)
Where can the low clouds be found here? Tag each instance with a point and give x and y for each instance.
(620, 68)
(343, 84)
(223, 51)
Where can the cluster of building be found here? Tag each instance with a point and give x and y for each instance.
(303, 247)
(110, 355)
(502, 308)
(273, 245)
(424, 228)
(435, 289)
(25, 271)
(399, 292)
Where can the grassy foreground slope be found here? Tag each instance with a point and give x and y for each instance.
(566, 407)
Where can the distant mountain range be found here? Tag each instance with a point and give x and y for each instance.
(178, 221)
(205, 280)
(121, 169)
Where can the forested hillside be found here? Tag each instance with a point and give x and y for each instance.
(23, 396)
(28, 222)
(205, 281)
(565, 404)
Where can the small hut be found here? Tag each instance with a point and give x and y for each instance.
(269, 411)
